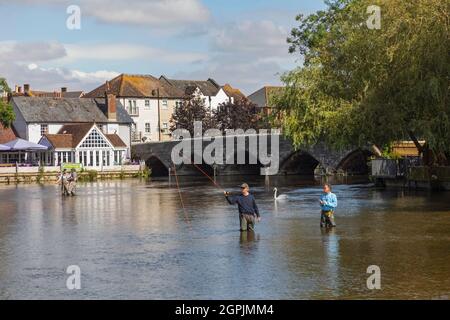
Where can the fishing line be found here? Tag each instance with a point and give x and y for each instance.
(212, 180)
(186, 217)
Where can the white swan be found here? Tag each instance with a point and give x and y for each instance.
(280, 197)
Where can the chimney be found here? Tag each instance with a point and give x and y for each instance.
(26, 89)
(111, 110)
(19, 89)
(16, 89)
(63, 89)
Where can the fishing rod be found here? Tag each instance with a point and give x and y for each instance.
(212, 180)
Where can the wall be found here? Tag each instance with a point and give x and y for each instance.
(146, 115)
(166, 115)
(218, 99)
(19, 123)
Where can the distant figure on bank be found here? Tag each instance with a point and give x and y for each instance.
(248, 210)
(63, 180)
(72, 182)
(328, 202)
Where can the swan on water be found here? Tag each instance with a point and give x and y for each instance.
(280, 197)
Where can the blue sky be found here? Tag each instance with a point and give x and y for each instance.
(238, 42)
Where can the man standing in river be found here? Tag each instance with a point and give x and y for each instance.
(328, 203)
(248, 210)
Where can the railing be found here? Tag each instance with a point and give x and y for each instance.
(394, 168)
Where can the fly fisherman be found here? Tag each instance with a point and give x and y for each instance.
(248, 210)
(328, 203)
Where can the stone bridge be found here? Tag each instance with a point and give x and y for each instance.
(318, 159)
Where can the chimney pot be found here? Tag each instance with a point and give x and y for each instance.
(64, 89)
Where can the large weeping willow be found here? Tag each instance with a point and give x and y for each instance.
(359, 85)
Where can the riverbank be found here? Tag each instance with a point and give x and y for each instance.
(399, 174)
(50, 174)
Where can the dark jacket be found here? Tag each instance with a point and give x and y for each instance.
(246, 204)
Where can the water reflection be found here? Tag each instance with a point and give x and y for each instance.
(132, 240)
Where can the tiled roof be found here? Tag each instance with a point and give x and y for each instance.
(60, 140)
(67, 110)
(72, 94)
(233, 92)
(136, 86)
(70, 136)
(77, 130)
(115, 140)
(6, 134)
(207, 87)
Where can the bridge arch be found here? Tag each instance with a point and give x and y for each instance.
(247, 168)
(355, 162)
(158, 168)
(299, 163)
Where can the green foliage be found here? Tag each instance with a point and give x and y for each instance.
(7, 115)
(88, 176)
(241, 114)
(360, 86)
(193, 109)
(146, 173)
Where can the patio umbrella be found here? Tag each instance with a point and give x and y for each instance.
(4, 148)
(24, 145)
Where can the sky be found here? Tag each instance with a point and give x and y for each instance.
(240, 42)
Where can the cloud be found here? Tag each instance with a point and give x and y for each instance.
(252, 38)
(31, 51)
(124, 51)
(25, 62)
(247, 55)
(52, 78)
(155, 13)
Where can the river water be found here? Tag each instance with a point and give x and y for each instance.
(132, 239)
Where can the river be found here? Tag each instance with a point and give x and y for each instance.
(132, 239)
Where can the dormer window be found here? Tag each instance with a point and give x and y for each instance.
(44, 129)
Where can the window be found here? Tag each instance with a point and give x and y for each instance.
(147, 103)
(101, 127)
(165, 125)
(97, 158)
(94, 140)
(147, 128)
(178, 104)
(44, 129)
(132, 108)
(164, 104)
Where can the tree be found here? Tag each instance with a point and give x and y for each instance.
(7, 115)
(360, 85)
(240, 114)
(193, 109)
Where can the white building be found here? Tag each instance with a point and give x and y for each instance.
(83, 143)
(149, 102)
(37, 116)
(212, 93)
